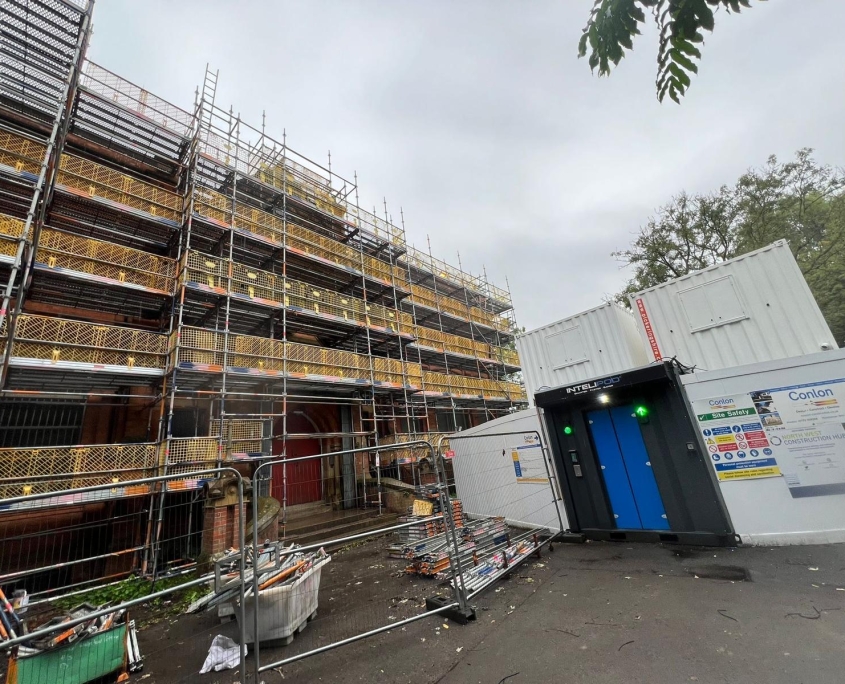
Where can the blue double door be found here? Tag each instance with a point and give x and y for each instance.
(625, 466)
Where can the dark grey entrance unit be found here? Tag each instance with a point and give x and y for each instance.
(630, 462)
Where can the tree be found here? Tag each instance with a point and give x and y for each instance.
(799, 201)
(613, 24)
(688, 234)
(803, 203)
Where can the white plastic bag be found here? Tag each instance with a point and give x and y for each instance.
(224, 654)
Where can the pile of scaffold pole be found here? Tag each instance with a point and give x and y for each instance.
(484, 569)
(433, 556)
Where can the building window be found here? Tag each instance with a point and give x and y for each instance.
(452, 422)
(415, 425)
(40, 424)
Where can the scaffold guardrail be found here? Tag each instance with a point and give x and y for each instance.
(59, 340)
(218, 207)
(274, 290)
(239, 435)
(411, 453)
(90, 179)
(461, 385)
(11, 230)
(114, 88)
(441, 269)
(203, 350)
(98, 181)
(425, 297)
(68, 252)
(119, 461)
(21, 154)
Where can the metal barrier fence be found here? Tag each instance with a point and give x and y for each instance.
(508, 475)
(375, 552)
(357, 587)
(98, 561)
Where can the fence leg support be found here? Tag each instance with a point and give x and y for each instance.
(455, 614)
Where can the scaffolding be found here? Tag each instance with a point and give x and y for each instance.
(194, 282)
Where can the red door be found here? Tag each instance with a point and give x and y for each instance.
(304, 479)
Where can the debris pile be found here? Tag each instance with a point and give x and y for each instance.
(10, 623)
(432, 556)
(487, 549)
(276, 567)
(12, 626)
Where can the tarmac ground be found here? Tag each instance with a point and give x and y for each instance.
(593, 612)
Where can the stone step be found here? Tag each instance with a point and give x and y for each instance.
(343, 529)
(325, 519)
(307, 510)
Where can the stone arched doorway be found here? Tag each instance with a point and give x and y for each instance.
(305, 479)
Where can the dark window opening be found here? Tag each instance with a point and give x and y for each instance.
(40, 424)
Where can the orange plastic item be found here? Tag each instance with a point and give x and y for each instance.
(282, 575)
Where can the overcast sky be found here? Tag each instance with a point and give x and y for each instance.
(478, 119)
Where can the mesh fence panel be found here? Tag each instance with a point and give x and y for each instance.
(63, 250)
(21, 153)
(57, 339)
(38, 462)
(95, 180)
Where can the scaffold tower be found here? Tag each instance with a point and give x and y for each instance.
(181, 289)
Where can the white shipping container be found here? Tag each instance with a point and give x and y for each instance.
(590, 344)
(489, 481)
(756, 307)
(784, 483)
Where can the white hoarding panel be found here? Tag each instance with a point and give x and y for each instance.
(756, 307)
(591, 344)
(501, 470)
(775, 436)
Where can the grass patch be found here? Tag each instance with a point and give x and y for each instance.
(133, 588)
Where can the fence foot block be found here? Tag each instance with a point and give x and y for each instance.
(571, 538)
(455, 614)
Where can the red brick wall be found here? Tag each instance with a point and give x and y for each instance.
(135, 421)
(220, 529)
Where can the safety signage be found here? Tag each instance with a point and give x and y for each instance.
(528, 464)
(739, 469)
(797, 431)
(517, 466)
(728, 429)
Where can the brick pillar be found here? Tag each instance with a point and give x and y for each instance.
(222, 515)
(220, 527)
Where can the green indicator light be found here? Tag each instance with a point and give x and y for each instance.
(567, 430)
(641, 411)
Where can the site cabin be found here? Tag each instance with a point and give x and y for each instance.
(734, 432)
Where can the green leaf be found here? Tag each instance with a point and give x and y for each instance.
(662, 86)
(626, 42)
(683, 61)
(673, 93)
(612, 25)
(582, 46)
(705, 18)
(686, 47)
(594, 37)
